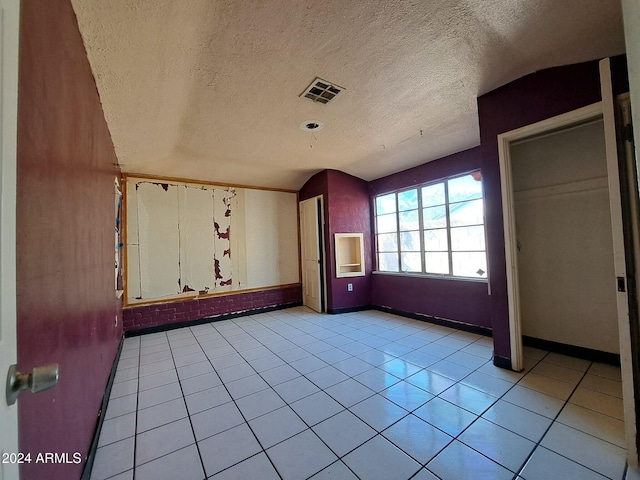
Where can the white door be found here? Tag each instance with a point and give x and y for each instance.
(619, 260)
(311, 260)
(9, 25)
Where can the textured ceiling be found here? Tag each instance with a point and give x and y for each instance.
(209, 89)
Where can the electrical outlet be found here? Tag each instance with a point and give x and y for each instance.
(350, 287)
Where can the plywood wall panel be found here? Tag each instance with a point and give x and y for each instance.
(159, 239)
(196, 239)
(271, 238)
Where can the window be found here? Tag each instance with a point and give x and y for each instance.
(434, 229)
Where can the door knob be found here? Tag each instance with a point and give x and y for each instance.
(40, 379)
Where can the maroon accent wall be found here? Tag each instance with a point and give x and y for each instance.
(147, 316)
(349, 212)
(522, 102)
(452, 299)
(346, 210)
(65, 238)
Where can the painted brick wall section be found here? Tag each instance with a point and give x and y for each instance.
(146, 316)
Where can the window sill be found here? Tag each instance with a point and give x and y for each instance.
(432, 276)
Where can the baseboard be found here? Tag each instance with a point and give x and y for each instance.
(467, 327)
(502, 362)
(337, 311)
(200, 321)
(572, 350)
(88, 466)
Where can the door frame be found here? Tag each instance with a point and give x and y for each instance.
(322, 271)
(508, 213)
(10, 21)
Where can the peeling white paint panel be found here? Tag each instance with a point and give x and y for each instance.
(271, 223)
(223, 206)
(195, 206)
(159, 239)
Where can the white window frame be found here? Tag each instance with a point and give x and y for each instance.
(421, 229)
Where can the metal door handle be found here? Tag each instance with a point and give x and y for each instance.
(40, 379)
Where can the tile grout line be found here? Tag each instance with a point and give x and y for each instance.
(309, 427)
(303, 375)
(379, 433)
(458, 382)
(185, 403)
(399, 380)
(135, 430)
(284, 331)
(553, 422)
(339, 459)
(238, 408)
(478, 416)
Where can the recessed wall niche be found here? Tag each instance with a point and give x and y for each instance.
(188, 239)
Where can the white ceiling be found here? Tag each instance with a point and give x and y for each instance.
(209, 89)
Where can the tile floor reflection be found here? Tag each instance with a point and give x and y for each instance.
(293, 394)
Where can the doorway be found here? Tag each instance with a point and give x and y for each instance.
(312, 253)
(563, 237)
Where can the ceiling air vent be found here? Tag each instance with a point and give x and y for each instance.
(322, 91)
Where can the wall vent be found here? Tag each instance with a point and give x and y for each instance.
(321, 91)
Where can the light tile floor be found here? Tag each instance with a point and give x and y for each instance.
(294, 394)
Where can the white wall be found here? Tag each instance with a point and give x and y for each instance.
(563, 223)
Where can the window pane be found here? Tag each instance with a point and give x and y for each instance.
(433, 195)
(408, 200)
(437, 262)
(465, 188)
(436, 240)
(388, 242)
(409, 220)
(434, 217)
(386, 204)
(388, 262)
(466, 213)
(411, 262)
(470, 264)
(387, 223)
(410, 241)
(467, 238)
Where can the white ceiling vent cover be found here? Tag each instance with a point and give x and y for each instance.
(322, 91)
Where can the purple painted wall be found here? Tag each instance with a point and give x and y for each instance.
(525, 101)
(458, 300)
(346, 210)
(66, 297)
(146, 316)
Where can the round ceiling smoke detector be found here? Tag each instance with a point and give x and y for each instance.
(311, 126)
